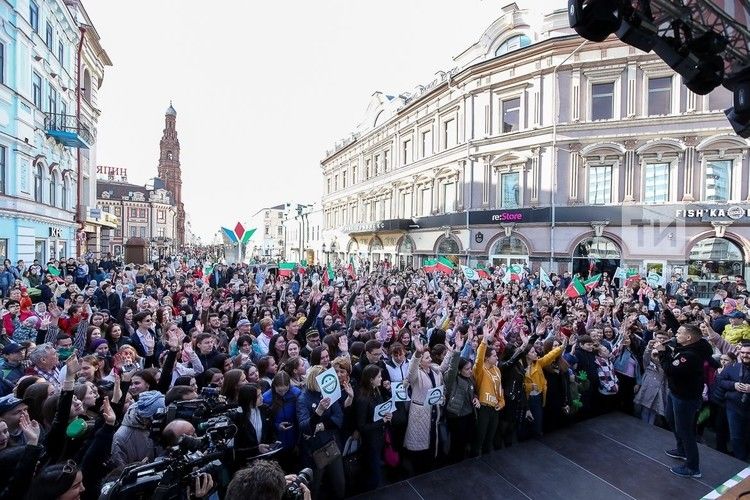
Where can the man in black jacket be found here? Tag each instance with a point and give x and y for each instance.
(733, 389)
(683, 365)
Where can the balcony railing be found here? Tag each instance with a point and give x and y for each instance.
(68, 130)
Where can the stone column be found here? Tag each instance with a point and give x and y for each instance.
(689, 177)
(629, 177)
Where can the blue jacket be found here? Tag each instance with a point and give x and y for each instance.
(287, 413)
(724, 391)
(332, 419)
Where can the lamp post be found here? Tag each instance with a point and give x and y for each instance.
(333, 251)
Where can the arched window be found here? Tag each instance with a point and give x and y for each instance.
(169, 155)
(712, 258)
(510, 245)
(352, 247)
(65, 187)
(38, 183)
(87, 85)
(596, 255)
(52, 189)
(448, 246)
(376, 244)
(407, 246)
(513, 43)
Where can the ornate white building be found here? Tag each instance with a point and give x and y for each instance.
(541, 149)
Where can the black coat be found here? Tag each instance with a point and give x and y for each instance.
(683, 367)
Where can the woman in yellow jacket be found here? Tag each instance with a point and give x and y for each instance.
(536, 385)
(490, 395)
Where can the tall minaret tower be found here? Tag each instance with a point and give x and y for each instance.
(169, 168)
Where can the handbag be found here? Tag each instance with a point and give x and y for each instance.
(326, 454)
(352, 466)
(390, 455)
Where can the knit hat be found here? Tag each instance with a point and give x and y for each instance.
(94, 344)
(729, 305)
(149, 402)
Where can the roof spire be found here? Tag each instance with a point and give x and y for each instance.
(170, 110)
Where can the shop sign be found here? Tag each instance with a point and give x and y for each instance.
(55, 232)
(734, 212)
(508, 217)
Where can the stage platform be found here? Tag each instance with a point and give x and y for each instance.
(610, 457)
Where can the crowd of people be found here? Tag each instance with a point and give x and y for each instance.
(119, 378)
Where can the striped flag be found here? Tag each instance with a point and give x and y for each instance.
(575, 289)
(328, 275)
(352, 270)
(286, 268)
(445, 265)
(482, 272)
(592, 282)
(429, 265)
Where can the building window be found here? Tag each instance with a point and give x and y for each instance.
(449, 197)
(280, 231)
(368, 169)
(377, 165)
(142, 213)
(143, 231)
(511, 115)
(656, 183)
(510, 190)
(426, 143)
(354, 175)
(161, 232)
(602, 101)
(118, 232)
(719, 180)
(407, 156)
(161, 215)
(61, 52)
(38, 183)
(450, 133)
(386, 160)
(406, 205)
(328, 185)
(52, 189)
(34, 15)
(336, 181)
(51, 99)
(65, 187)
(2, 63)
(133, 231)
(660, 96)
(118, 211)
(39, 251)
(3, 248)
(48, 39)
(513, 43)
(426, 202)
(600, 185)
(3, 169)
(36, 90)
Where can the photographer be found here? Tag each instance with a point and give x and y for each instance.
(682, 362)
(264, 480)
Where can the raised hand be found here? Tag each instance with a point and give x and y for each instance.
(107, 412)
(73, 366)
(30, 429)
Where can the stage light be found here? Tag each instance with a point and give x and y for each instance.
(739, 122)
(594, 20)
(637, 31)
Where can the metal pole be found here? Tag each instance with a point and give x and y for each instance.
(554, 153)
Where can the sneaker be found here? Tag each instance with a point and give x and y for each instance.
(675, 454)
(683, 471)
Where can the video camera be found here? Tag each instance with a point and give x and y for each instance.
(197, 411)
(168, 477)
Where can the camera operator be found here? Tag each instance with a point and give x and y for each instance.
(682, 360)
(264, 480)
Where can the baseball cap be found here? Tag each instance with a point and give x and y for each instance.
(736, 314)
(243, 322)
(12, 348)
(9, 402)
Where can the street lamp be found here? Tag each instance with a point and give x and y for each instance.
(323, 248)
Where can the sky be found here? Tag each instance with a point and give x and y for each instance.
(263, 89)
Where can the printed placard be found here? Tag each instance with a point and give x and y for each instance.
(434, 396)
(399, 392)
(329, 384)
(383, 409)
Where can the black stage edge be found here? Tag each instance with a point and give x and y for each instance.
(611, 457)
